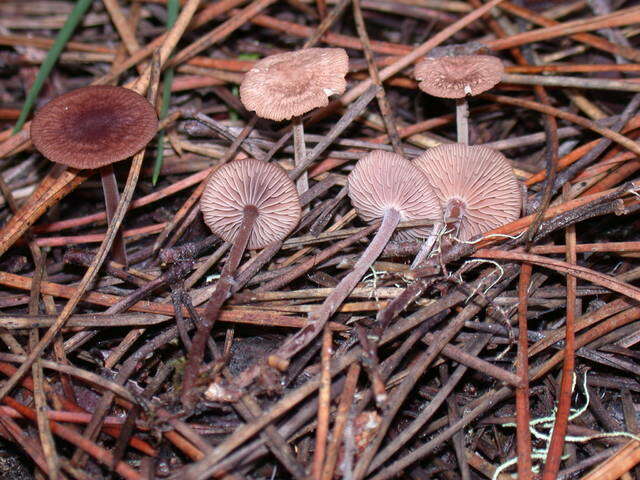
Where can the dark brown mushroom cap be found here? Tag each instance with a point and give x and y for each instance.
(457, 77)
(385, 180)
(94, 126)
(477, 180)
(291, 84)
(251, 182)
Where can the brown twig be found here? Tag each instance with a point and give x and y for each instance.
(523, 411)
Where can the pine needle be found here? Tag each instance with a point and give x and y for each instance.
(167, 80)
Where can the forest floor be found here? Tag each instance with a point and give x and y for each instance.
(510, 351)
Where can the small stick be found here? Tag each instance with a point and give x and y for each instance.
(586, 38)
(327, 22)
(572, 82)
(346, 400)
(324, 405)
(383, 101)
(523, 415)
(556, 444)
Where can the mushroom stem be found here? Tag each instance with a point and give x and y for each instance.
(319, 317)
(223, 290)
(425, 250)
(299, 153)
(111, 199)
(455, 211)
(462, 120)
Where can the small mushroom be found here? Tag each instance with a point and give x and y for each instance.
(93, 127)
(456, 77)
(251, 204)
(245, 185)
(475, 184)
(288, 85)
(386, 186)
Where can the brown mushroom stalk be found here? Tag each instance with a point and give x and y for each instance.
(321, 315)
(456, 210)
(94, 127)
(383, 185)
(288, 85)
(111, 199)
(252, 204)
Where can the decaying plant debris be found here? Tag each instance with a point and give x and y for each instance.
(509, 353)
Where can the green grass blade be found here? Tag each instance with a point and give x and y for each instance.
(50, 60)
(167, 80)
(172, 12)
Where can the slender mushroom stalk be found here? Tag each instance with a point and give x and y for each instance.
(94, 127)
(428, 244)
(250, 203)
(458, 77)
(462, 120)
(475, 185)
(288, 85)
(299, 153)
(386, 186)
(111, 199)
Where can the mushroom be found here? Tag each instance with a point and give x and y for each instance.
(383, 185)
(475, 185)
(291, 84)
(250, 203)
(93, 127)
(456, 77)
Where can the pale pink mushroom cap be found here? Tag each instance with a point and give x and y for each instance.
(94, 126)
(478, 181)
(291, 84)
(457, 77)
(251, 182)
(384, 180)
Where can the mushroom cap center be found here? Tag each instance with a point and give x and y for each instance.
(455, 209)
(95, 123)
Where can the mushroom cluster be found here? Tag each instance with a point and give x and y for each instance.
(474, 185)
(382, 186)
(252, 203)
